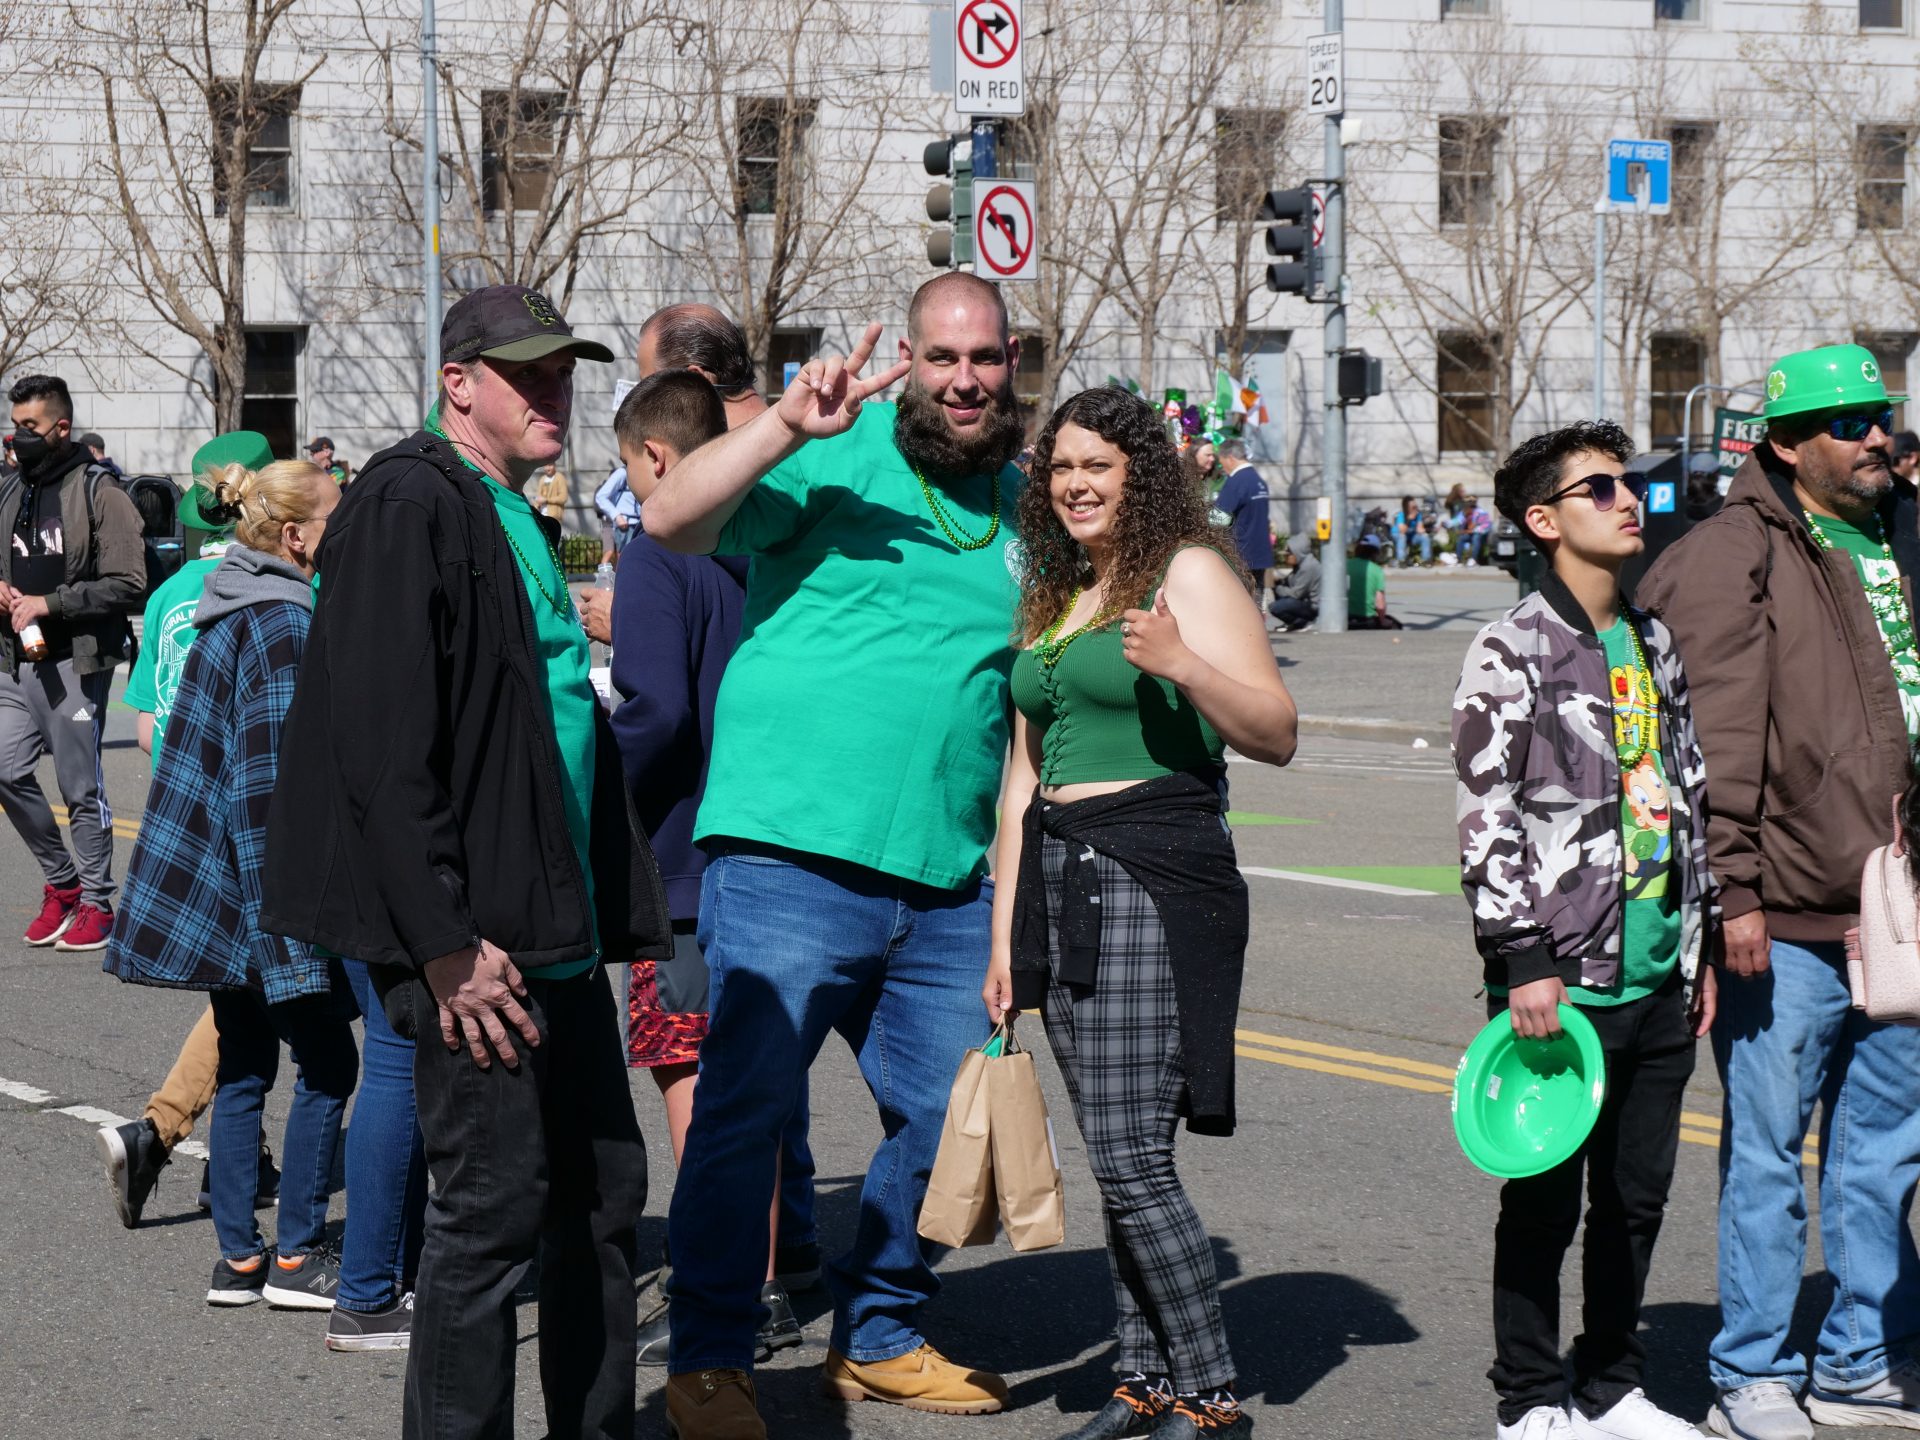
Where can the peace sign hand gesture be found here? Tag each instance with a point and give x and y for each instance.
(825, 396)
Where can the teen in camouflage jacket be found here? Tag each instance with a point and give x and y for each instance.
(1541, 858)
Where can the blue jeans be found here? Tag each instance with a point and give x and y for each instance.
(800, 945)
(386, 1167)
(1784, 1040)
(320, 1033)
(1419, 538)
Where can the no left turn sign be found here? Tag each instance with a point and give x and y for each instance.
(987, 58)
(1004, 236)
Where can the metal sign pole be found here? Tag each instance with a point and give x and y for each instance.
(1333, 582)
(1599, 309)
(430, 204)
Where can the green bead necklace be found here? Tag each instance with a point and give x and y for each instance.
(562, 607)
(1048, 650)
(948, 525)
(1633, 734)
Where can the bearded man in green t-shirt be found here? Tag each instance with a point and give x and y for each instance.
(858, 743)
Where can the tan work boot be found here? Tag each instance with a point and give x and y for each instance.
(922, 1379)
(713, 1405)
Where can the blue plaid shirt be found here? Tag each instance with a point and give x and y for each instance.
(190, 915)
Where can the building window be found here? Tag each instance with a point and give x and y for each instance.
(1679, 12)
(271, 405)
(1455, 9)
(773, 137)
(269, 180)
(517, 135)
(1246, 158)
(787, 350)
(1677, 363)
(1465, 381)
(1466, 168)
(1892, 352)
(1883, 15)
(1881, 165)
(1692, 146)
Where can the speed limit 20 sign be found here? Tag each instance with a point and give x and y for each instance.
(1326, 74)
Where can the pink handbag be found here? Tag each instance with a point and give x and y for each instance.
(1883, 953)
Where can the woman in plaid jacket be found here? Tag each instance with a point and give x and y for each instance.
(192, 909)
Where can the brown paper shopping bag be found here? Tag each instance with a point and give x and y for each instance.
(1026, 1163)
(959, 1208)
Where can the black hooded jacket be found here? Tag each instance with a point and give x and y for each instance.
(418, 808)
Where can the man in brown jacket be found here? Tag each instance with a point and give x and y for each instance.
(1793, 610)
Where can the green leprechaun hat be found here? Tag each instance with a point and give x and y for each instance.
(1831, 377)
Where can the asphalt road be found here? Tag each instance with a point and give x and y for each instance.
(1353, 1239)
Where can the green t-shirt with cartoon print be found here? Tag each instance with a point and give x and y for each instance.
(1650, 946)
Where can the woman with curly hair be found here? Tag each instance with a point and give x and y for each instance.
(1142, 658)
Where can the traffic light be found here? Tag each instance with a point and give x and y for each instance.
(1358, 377)
(1293, 238)
(950, 204)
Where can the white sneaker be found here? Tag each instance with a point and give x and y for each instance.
(1893, 1401)
(1634, 1418)
(1765, 1410)
(1542, 1422)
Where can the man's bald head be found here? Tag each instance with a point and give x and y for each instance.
(697, 337)
(948, 292)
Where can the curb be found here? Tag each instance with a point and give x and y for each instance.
(1359, 727)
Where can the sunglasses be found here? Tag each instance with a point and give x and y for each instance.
(1604, 489)
(1858, 427)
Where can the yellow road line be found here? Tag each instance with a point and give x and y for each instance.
(1352, 1072)
(1334, 1052)
(1380, 1069)
(124, 829)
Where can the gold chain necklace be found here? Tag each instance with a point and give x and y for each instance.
(951, 527)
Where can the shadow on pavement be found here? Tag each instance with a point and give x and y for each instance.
(1677, 1335)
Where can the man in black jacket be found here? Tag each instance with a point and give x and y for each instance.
(71, 570)
(451, 807)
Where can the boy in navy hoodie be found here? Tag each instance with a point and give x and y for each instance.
(676, 621)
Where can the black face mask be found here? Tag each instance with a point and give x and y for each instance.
(36, 453)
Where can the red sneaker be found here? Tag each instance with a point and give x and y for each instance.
(56, 914)
(91, 926)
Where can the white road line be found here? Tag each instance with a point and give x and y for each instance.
(90, 1114)
(1336, 881)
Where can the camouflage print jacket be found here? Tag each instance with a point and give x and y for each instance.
(1541, 856)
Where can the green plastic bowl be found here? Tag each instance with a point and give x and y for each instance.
(1521, 1107)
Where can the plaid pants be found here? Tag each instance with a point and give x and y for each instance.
(1118, 1045)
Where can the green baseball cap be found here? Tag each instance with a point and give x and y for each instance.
(237, 447)
(1521, 1107)
(1831, 377)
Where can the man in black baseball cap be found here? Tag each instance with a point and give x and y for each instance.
(451, 808)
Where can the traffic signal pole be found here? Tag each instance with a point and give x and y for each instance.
(1333, 582)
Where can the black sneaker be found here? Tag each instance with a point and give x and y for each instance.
(233, 1286)
(134, 1157)
(356, 1330)
(782, 1331)
(797, 1267)
(303, 1282)
(266, 1190)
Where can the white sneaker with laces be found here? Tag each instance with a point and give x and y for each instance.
(1764, 1410)
(1893, 1401)
(1543, 1422)
(1634, 1417)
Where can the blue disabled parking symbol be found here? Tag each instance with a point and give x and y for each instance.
(1660, 497)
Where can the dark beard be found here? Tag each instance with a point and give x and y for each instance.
(928, 441)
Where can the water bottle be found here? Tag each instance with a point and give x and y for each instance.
(601, 655)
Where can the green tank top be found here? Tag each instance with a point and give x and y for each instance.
(1104, 720)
